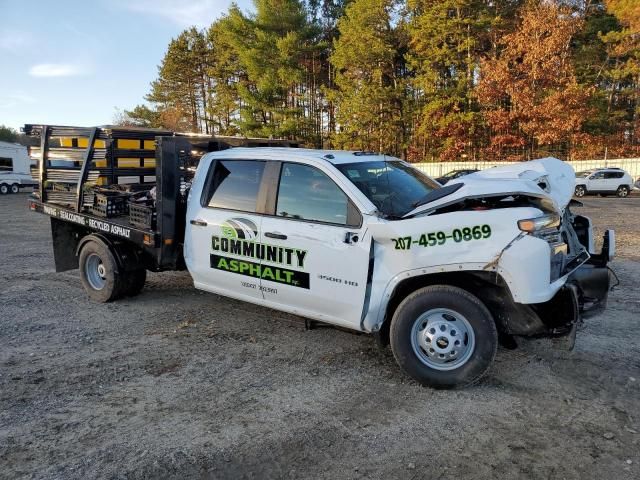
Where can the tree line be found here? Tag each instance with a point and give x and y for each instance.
(421, 79)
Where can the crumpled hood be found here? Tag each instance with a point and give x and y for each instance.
(544, 178)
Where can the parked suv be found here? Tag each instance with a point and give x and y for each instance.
(603, 181)
(455, 174)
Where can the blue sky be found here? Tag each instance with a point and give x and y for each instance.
(71, 62)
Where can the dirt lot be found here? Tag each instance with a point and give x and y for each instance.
(179, 384)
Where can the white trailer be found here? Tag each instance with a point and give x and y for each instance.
(14, 168)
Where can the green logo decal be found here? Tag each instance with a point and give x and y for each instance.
(239, 228)
(256, 270)
(228, 231)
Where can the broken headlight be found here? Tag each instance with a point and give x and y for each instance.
(544, 222)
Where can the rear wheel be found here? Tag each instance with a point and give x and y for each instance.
(15, 188)
(99, 272)
(580, 191)
(4, 189)
(443, 337)
(623, 191)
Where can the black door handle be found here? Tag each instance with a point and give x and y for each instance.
(198, 222)
(279, 236)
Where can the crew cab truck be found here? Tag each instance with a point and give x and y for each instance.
(365, 242)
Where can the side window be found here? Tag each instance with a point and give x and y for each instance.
(597, 176)
(614, 175)
(235, 184)
(306, 193)
(6, 164)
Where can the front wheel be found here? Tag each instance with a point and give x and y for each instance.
(623, 191)
(580, 191)
(443, 337)
(4, 189)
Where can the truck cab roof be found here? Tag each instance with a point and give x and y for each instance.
(335, 157)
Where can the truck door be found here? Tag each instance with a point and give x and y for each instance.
(322, 248)
(223, 225)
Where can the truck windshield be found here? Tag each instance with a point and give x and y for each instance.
(394, 187)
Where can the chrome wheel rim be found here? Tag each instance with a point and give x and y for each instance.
(579, 192)
(4, 189)
(96, 272)
(442, 339)
(623, 192)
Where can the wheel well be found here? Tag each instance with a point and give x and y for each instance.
(127, 257)
(487, 286)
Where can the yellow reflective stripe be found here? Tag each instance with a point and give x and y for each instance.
(128, 162)
(84, 141)
(129, 144)
(149, 144)
(135, 162)
(80, 142)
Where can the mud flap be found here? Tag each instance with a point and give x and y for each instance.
(65, 240)
(568, 341)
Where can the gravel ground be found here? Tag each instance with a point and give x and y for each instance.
(176, 383)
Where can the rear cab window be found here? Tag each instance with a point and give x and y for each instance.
(234, 185)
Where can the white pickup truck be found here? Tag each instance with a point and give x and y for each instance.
(366, 242)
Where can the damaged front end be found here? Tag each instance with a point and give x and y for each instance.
(584, 294)
(572, 256)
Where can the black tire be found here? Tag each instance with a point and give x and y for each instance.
(623, 191)
(580, 191)
(113, 282)
(15, 188)
(4, 189)
(134, 282)
(451, 299)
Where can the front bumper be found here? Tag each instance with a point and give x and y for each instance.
(583, 295)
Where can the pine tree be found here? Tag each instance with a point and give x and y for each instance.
(271, 47)
(181, 89)
(225, 73)
(371, 93)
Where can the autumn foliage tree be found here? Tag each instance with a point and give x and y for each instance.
(529, 91)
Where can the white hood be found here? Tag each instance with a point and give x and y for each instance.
(544, 178)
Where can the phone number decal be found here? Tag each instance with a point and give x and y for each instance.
(432, 239)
